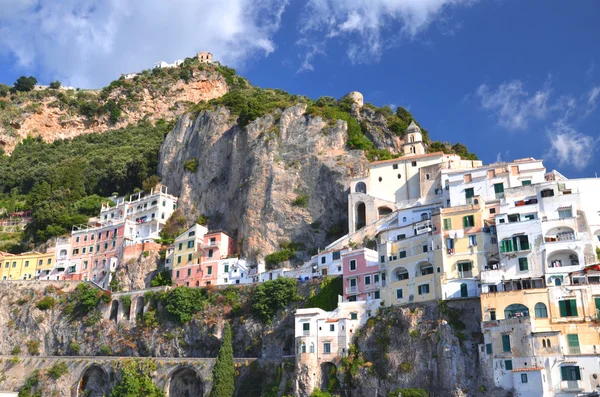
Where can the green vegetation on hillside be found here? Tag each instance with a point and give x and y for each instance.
(136, 380)
(271, 296)
(63, 182)
(327, 297)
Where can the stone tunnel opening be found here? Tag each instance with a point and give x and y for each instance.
(94, 383)
(139, 306)
(114, 310)
(329, 379)
(185, 382)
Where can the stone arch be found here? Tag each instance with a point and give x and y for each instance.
(185, 382)
(383, 211)
(561, 233)
(516, 310)
(400, 273)
(329, 379)
(114, 310)
(361, 215)
(563, 258)
(424, 268)
(94, 382)
(360, 187)
(139, 306)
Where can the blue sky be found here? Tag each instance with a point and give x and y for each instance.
(509, 78)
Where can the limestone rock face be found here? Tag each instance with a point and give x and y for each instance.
(137, 273)
(248, 179)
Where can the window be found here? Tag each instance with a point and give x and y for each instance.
(547, 193)
(401, 236)
(447, 224)
(179, 259)
(353, 316)
(306, 327)
(105, 246)
(180, 246)
(488, 348)
(83, 250)
(399, 176)
(573, 342)
(469, 193)
(382, 258)
(523, 265)
(376, 295)
(402, 254)
(492, 210)
(517, 243)
(312, 347)
(399, 293)
(114, 243)
(189, 272)
(210, 253)
(493, 312)
(414, 163)
(77, 239)
(14, 264)
(523, 378)
(323, 259)
(427, 176)
(189, 257)
(395, 166)
(335, 255)
(331, 327)
(177, 274)
(190, 244)
(512, 218)
(570, 372)
(352, 264)
(423, 289)
(326, 347)
(508, 365)
(469, 221)
(85, 238)
(525, 183)
(568, 308)
(565, 213)
(472, 240)
(464, 269)
(541, 311)
(425, 248)
(506, 343)
(499, 190)
(209, 270)
(380, 179)
(226, 268)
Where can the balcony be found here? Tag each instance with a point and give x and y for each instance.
(569, 386)
(352, 290)
(373, 286)
(209, 244)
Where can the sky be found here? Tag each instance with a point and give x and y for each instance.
(508, 78)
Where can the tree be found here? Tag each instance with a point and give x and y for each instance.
(25, 84)
(273, 295)
(4, 90)
(224, 370)
(55, 85)
(136, 381)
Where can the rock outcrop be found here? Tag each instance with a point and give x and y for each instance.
(248, 180)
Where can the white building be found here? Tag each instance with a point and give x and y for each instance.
(233, 271)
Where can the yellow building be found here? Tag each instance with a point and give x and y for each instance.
(552, 332)
(187, 254)
(25, 266)
(467, 245)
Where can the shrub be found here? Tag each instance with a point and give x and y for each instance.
(191, 165)
(301, 201)
(271, 296)
(105, 350)
(74, 347)
(414, 333)
(93, 318)
(25, 84)
(408, 393)
(162, 278)
(30, 386)
(135, 380)
(318, 393)
(126, 299)
(58, 370)
(55, 85)
(46, 303)
(34, 347)
(327, 298)
(183, 302)
(224, 370)
(4, 90)
(16, 350)
(202, 220)
(406, 366)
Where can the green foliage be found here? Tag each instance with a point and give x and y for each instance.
(327, 298)
(16, 350)
(126, 300)
(318, 393)
(150, 183)
(300, 201)
(24, 84)
(462, 151)
(135, 380)
(34, 347)
(105, 350)
(353, 361)
(224, 370)
(63, 182)
(46, 303)
(55, 85)
(191, 165)
(82, 300)
(202, 220)
(287, 252)
(162, 278)
(408, 393)
(29, 389)
(414, 333)
(74, 347)
(183, 302)
(4, 90)
(58, 370)
(271, 296)
(598, 253)
(175, 225)
(105, 296)
(451, 315)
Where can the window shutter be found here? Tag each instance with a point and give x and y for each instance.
(562, 306)
(506, 343)
(573, 340)
(573, 304)
(563, 373)
(465, 221)
(577, 374)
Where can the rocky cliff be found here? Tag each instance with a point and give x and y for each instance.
(66, 113)
(284, 177)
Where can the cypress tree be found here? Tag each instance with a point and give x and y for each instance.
(224, 371)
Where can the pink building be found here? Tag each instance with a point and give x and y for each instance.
(362, 277)
(217, 245)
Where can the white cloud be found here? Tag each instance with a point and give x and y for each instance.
(570, 147)
(90, 42)
(514, 107)
(371, 26)
(592, 99)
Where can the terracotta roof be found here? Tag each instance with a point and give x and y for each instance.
(532, 369)
(332, 320)
(410, 158)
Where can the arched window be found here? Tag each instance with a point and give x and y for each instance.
(548, 344)
(312, 347)
(424, 216)
(516, 310)
(544, 343)
(541, 311)
(303, 348)
(360, 187)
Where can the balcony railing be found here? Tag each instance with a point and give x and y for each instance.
(372, 286)
(569, 385)
(352, 290)
(576, 350)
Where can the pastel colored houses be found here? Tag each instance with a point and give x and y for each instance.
(185, 257)
(363, 279)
